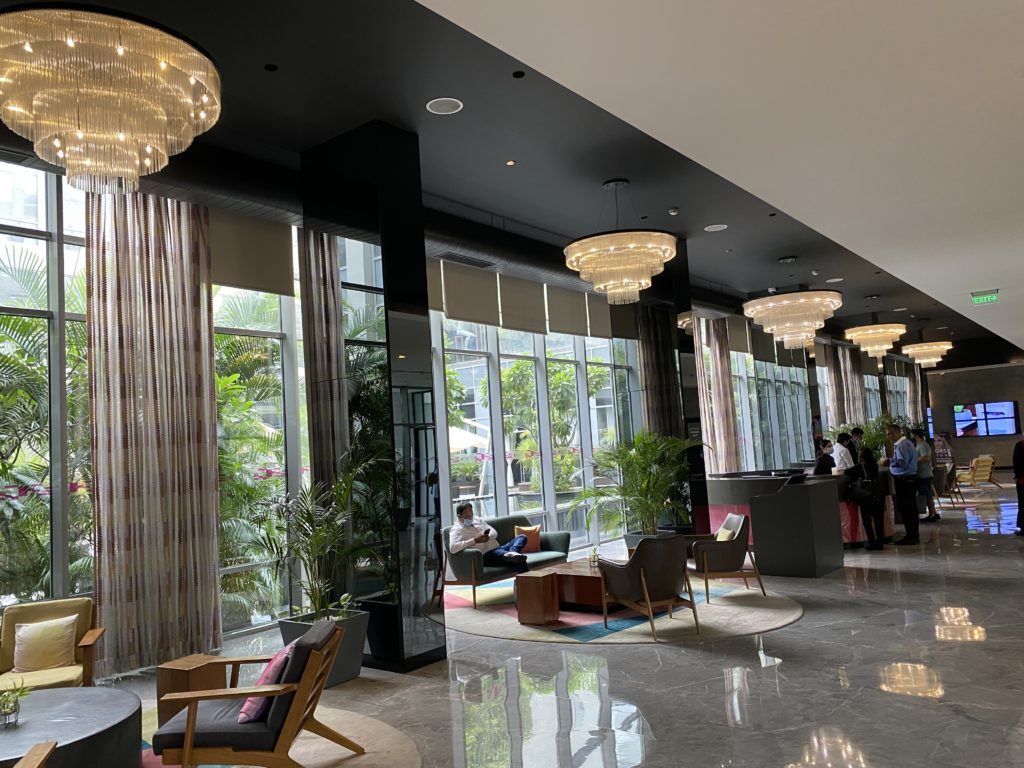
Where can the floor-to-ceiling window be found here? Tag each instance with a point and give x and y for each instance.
(872, 397)
(896, 394)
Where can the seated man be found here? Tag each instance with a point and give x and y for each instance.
(468, 533)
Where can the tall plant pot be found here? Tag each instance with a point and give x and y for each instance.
(349, 660)
(687, 530)
(632, 538)
(385, 631)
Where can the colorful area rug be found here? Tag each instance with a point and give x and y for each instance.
(734, 611)
(385, 746)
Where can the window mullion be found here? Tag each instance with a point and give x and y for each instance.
(498, 462)
(586, 436)
(444, 461)
(544, 442)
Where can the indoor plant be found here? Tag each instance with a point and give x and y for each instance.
(10, 703)
(649, 485)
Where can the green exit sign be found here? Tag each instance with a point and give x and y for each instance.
(985, 297)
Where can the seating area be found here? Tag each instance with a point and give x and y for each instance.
(54, 669)
(980, 470)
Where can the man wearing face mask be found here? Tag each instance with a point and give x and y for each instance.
(468, 533)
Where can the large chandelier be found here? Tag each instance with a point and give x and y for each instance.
(928, 353)
(107, 98)
(620, 263)
(876, 340)
(793, 318)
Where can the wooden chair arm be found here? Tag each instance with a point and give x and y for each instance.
(187, 697)
(37, 756)
(228, 661)
(89, 638)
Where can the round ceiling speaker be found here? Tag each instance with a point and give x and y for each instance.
(444, 106)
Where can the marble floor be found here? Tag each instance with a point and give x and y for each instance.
(907, 657)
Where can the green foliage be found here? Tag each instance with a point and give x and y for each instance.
(10, 695)
(651, 482)
(874, 431)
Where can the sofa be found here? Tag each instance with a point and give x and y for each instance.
(466, 568)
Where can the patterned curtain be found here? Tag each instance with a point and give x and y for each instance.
(154, 431)
(836, 386)
(714, 387)
(853, 384)
(659, 374)
(915, 408)
(323, 341)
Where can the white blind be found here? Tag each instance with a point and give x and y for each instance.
(600, 316)
(250, 253)
(522, 304)
(435, 288)
(470, 294)
(567, 311)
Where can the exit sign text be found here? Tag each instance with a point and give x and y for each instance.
(985, 297)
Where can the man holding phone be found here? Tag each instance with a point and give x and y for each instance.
(468, 533)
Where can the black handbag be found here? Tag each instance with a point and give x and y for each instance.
(863, 491)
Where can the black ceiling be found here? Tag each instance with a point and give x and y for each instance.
(340, 64)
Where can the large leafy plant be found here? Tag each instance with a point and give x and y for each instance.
(874, 430)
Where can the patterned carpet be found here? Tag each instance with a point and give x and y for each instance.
(733, 611)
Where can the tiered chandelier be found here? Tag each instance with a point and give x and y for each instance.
(928, 354)
(793, 318)
(876, 340)
(621, 263)
(107, 98)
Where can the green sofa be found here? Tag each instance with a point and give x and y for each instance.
(468, 569)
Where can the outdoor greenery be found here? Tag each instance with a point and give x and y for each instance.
(874, 430)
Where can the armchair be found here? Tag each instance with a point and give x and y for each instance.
(654, 576)
(979, 472)
(86, 635)
(724, 554)
(207, 731)
(37, 756)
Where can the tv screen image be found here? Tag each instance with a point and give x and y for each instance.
(980, 419)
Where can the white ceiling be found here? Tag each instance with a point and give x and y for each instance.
(894, 128)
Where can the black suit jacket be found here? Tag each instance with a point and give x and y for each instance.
(1018, 460)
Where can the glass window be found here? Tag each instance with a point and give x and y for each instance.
(22, 197)
(470, 449)
(24, 459)
(361, 263)
(598, 350)
(522, 434)
(561, 346)
(23, 272)
(80, 528)
(602, 407)
(515, 342)
(565, 446)
(74, 279)
(246, 310)
(460, 334)
(74, 210)
(364, 315)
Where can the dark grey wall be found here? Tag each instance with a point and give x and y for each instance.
(975, 385)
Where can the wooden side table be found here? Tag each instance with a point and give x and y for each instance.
(189, 673)
(537, 597)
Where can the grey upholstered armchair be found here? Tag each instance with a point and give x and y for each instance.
(654, 576)
(724, 554)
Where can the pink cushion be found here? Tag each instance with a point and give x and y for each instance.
(256, 707)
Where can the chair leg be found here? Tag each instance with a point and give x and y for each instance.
(693, 603)
(757, 573)
(670, 608)
(474, 594)
(746, 584)
(647, 602)
(315, 726)
(707, 590)
(604, 603)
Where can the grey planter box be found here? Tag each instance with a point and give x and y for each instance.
(350, 655)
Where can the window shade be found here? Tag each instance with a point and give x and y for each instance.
(739, 341)
(522, 304)
(625, 323)
(251, 253)
(435, 288)
(762, 345)
(600, 316)
(567, 311)
(470, 294)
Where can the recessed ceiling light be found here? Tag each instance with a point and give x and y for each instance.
(401, 357)
(444, 106)
(787, 259)
(871, 296)
(834, 280)
(715, 227)
(673, 211)
(900, 309)
(942, 328)
(510, 163)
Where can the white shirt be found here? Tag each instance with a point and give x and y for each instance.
(844, 460)
(461, 537)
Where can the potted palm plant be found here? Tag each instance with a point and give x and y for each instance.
(648, 488)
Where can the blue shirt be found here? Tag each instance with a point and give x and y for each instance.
(904, 460)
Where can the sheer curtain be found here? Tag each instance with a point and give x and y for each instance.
(659, 377)
(714, 387)
(154, 433)
(837, 386)
(915, 408)
(853, 384)
(323, 340)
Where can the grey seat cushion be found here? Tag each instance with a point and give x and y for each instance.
(314, 639)
(216, 726)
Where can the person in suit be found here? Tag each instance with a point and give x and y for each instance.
(869, 497)
(1018, 479)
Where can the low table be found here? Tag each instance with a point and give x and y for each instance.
(575, 584)
(92, 726)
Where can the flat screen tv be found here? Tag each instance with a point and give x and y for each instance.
(979, 419)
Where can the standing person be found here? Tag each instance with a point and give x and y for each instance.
(903, 468)
(858, 440)
(1018, 478)
(824, 462)
(925, 484)
(844, 452)
(867, 492)
(468, 533)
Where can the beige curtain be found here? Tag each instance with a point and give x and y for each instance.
(915, 408)
(659, 374)
(836, 387)
(154, 433)
(853, 384)
(323, 342)
(714, 387)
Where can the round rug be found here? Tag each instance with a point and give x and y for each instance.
(734, 611)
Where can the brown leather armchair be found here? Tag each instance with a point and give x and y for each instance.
(724, 555)
(654, 576)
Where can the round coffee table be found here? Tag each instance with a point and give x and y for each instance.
(92, 726)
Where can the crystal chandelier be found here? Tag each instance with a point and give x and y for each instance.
(928, 353)
(107, 98)
(876, 340)
(621, 263)
(793, 318)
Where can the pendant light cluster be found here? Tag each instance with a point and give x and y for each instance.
(793, 318)
(928, 354)
(621, 263)
(876, 340)
(107, 98)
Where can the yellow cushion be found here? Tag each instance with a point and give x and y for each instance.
(63, 677)
(724, 534)
(532, 534)
(44, 644)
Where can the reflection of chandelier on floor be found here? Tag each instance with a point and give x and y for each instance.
(107, 98)
(621, 263)
(927, 354)
(830, 748)
(793, 318)
(876, 340)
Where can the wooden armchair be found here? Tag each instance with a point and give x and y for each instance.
(86, 635)
(980, 471)
(37, 756)
(724, 555)
(207, 731)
